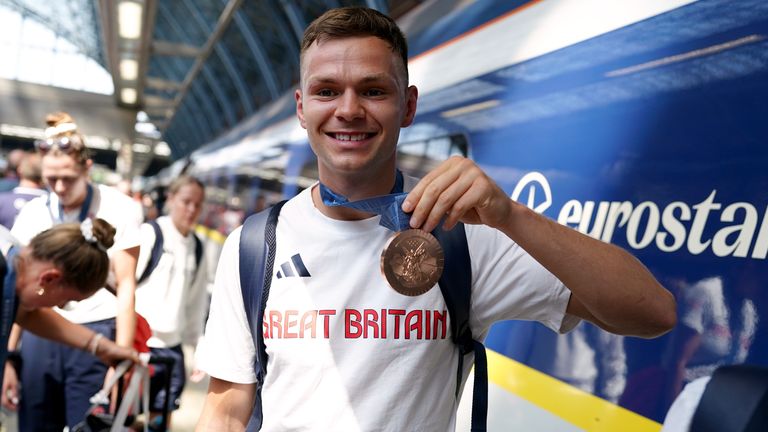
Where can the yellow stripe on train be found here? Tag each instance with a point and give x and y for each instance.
(211, 234)
(575, 406)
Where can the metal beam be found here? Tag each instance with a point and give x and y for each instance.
(221, 26)
(255, 45)
(295, 18)
(157, 102)
(202, 119)
(162, 84)
(165, 48)
(246, 98)
(213, 83)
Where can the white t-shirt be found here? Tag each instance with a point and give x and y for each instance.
(347, 352)
(6, 241)
(107, 203)
(174, 296)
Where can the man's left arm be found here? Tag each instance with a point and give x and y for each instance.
(609, 286)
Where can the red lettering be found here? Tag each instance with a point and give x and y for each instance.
(291, 323)
(371, 320)
(275, 322)
(326, 314)
(439, 322)
(383, 323)
(352, 327)
(308, 322)
(427, 315)
(413, 322)
(397, 313)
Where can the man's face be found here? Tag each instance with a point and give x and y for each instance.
(352, 102)
(66, 178)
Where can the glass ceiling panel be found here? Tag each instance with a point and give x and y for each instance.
(34, 53)
(74, 20)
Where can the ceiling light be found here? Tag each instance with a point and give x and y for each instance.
(129, 19)
(162, 149)
(129, 69)
(128, 96)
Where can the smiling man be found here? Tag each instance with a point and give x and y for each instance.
(349, 350)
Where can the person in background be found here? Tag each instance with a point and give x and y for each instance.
(354, 97)
(11, 178)
(173, 297)
(124, 186)
(51, 373)
(66, 262)
(30, 186)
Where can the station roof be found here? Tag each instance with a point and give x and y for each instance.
(195, 67)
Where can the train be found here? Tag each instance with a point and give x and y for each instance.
(641, 123)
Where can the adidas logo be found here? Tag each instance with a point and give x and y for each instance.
(293, 268)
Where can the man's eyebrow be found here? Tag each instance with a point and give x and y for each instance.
(366, 79)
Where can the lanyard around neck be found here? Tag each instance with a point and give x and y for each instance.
(56, 210)
(388, 206)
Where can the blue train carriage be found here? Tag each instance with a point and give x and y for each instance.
(641, 123)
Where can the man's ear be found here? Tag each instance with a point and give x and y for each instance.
(50, 278)
(300, 108)
(411, 96)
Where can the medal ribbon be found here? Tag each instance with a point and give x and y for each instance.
(58, 216)
(388, 206)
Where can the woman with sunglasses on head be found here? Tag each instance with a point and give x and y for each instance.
(66, 262)
(73, 198)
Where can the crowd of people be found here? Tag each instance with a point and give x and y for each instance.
(76, 296)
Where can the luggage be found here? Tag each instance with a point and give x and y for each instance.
(100, 419)
(132, 384)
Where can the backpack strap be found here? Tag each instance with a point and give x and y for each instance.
(456, 286)
(256, 259)
(157, 252)
(198, 250)
(198, 254)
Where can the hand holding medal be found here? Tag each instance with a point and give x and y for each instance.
(412, 260)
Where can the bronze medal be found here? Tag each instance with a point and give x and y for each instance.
(412, 262)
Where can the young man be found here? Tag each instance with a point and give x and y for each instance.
(346, 351)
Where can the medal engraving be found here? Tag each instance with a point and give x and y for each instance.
(412, 262)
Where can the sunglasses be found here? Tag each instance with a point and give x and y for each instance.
(65, 144)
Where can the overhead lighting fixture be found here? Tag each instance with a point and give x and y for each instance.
(128, 96)
(129, 19)
(162, 149)
(129, 69)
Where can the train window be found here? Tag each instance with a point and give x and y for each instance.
(416, 158)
